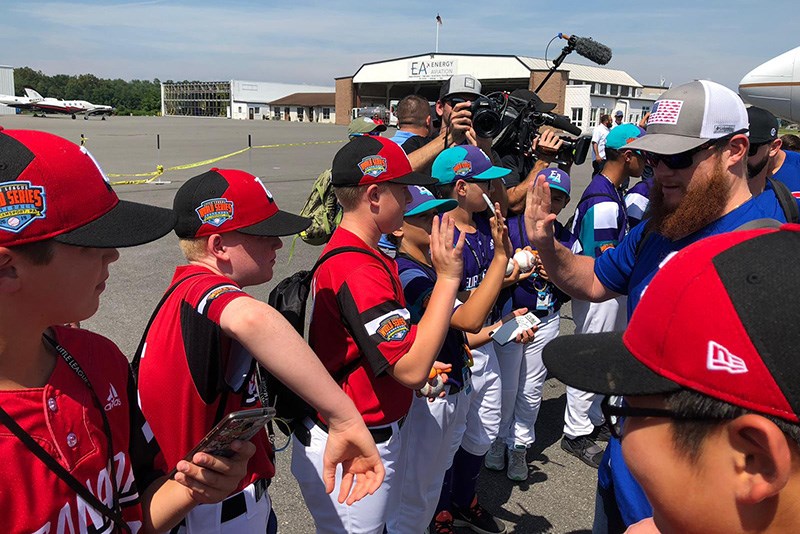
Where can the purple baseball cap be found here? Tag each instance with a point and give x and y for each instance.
(557, 179)
(423, 200)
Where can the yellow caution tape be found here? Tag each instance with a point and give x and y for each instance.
(161, 170)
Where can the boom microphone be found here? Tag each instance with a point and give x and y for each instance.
(589, 48)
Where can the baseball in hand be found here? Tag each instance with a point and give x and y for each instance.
(510, 267)
(433, 390)
(525, 260)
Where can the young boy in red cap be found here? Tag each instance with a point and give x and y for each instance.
(360, 327)
(206, 337)
(74, 440)
(709, 372)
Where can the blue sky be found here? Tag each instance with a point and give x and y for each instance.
(313, 42)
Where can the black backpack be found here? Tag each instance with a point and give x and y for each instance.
(289, 297)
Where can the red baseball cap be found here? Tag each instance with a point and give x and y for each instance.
(719, 318)
(51, 188)
(224, 200)
(369, 160)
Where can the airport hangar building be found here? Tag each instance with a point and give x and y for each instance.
(582, 92)
(247, 100)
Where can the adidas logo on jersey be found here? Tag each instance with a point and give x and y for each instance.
(113, 399)
(721, 359)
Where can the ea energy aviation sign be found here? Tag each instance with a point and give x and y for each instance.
(431, 69)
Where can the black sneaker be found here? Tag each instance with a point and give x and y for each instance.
(601, 433)
(442, 524)
(477, 519)
(584, 449)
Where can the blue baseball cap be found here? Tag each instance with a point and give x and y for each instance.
(423, 200)
(465, 162)
(557, 179)
(622, 135)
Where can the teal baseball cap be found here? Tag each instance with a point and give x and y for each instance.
(422, 200)
(465, 162)
(623, 134)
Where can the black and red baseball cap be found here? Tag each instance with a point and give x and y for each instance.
(51, 188)
(719, 318)
(224, 200)
(367, 160)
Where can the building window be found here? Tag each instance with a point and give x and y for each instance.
(300, 114)
(326, 113)
(240, 109)
(257, 110)
(577, 117)
(614, 90)
(593, 118)
(603, 89)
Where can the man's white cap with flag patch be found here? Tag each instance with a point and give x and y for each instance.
(691, 114)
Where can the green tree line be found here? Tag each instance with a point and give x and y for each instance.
(137, 97)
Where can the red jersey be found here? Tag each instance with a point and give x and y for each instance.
(359, 314)
(65, 421)
(188, 366)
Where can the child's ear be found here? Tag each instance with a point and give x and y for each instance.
(398, 233)
(461, 188)
(9, 279)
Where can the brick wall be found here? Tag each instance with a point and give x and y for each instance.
(345, 100)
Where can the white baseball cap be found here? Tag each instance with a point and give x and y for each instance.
(691, 114)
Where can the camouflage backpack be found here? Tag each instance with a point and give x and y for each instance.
(323, 210)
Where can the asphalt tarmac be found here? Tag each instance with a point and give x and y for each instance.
(559, 493)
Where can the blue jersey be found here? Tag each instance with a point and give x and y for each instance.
(600, 220)
(624, 271)
(789, 173)
(418, 281)
(478, 252)
(542, 298)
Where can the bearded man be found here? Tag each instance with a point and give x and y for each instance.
(697, 144)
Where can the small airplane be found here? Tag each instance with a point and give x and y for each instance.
(39, 104)
(775, 86)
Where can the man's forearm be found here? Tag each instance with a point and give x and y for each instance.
(573, 274)
(424, 156)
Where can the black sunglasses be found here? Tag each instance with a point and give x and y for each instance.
(615, 415)
(684, 160)
(754, 148)
(455, 100)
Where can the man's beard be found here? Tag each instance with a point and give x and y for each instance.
(702, 204)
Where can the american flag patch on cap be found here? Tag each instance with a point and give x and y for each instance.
(665, 112)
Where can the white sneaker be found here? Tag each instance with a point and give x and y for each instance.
(517, 463)
(496, 457)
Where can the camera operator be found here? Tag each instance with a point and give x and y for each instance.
(544, 149)
(455, 99)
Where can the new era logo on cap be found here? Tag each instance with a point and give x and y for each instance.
(721, 359)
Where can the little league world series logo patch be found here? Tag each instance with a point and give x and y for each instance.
(391, 326)
(20, 204)
(373, 166)
(462, 168)
(215, 211)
